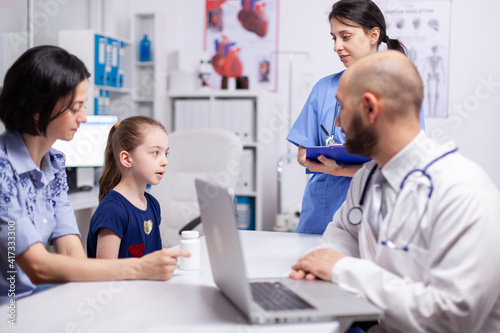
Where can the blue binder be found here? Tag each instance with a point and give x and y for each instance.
(336, 152)
(97, 98)
(121, 64)
(106, 103)
(112, 69)
(100, 59)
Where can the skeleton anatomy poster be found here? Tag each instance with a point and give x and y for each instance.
(424, 28)
(241, 41)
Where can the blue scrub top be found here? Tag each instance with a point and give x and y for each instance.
(324, 193)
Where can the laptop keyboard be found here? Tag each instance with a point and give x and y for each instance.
(274, 296)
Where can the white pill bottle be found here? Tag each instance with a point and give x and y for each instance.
(190, 242)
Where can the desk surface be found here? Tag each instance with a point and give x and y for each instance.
(189, 302)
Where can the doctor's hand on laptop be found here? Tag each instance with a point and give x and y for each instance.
(316, 264)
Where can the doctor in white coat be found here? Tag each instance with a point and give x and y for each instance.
(419, 232)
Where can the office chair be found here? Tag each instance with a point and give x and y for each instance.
(209, 154)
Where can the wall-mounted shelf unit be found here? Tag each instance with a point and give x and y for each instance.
(149, 77)
(108, 59)
(238, 111)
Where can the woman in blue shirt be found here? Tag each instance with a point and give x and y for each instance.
(42, 100)
(357, 28)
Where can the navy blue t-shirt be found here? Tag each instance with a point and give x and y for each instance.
(138, 229)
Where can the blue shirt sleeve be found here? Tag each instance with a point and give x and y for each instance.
(64, 214)
(33, 203)
(304, 131)
(12, 213)
(318, 110)
(109, 215)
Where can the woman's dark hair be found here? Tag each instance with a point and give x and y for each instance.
(41, 82)
(124, 136)
(367, 15)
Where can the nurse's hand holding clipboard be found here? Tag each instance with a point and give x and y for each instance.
(326, 165)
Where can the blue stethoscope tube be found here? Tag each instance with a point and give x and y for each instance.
(355, 214)
(330, 138)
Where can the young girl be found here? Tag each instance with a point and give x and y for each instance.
(43, 99)
(127, 221)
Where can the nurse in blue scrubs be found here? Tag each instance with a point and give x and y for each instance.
(357, 28)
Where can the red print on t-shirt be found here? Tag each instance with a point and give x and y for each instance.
(136, 250)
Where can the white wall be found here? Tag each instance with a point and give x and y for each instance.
(475, 54)
(50, 16)
(474, 106)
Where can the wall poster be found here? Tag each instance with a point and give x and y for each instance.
(241, 41)
(424, 27)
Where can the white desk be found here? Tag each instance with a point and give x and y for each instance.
(189, 302)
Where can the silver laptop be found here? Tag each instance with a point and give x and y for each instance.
(287, 300)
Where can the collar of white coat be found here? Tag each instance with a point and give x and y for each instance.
(415, 155)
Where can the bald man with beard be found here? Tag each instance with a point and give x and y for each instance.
(418, 233)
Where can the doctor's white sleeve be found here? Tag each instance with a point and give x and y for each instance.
(458, 288)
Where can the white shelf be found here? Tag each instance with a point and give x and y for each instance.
(82, 43)
(246, 194)
(207, 104)
(113, 89)
(144, 63)
(149, 78)
(143, 100)
(207, 93)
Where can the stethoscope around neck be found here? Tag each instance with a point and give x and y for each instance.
(330, 137)
(355, 214)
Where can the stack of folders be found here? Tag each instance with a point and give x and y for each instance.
(109, 70)
(102, 102)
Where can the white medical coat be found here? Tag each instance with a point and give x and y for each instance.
(449, 280)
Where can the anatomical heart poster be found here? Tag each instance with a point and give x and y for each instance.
(241, 40)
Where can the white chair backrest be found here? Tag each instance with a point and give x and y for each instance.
(210, 154)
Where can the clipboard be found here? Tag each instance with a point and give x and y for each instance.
(335, 152)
